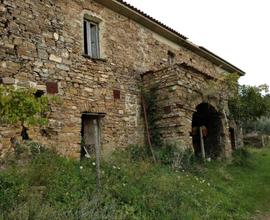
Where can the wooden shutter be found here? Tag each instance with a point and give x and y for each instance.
(94, 40)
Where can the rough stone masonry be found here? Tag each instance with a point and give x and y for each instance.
(47, 44)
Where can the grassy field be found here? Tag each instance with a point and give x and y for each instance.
(52, 187)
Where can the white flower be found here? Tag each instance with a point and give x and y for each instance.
(118, 168)
(94, 164)
(114, 167)
(208, 184)
(81, 167)
(208, 159)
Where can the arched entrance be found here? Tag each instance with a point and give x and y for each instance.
(208, 119)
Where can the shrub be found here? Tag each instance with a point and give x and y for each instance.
(138, 152)
(174, 156)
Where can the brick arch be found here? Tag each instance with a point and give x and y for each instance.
(214, 102)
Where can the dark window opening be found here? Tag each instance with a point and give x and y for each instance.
(91, 39)
(24, 133)
(171, 57)
(39, 93)
(232, 138)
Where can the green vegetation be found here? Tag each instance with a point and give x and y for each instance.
(48, 186)
(250, 103)
(24, 106)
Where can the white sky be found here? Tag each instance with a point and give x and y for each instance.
(236, 30)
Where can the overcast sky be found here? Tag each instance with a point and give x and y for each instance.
(236, 30)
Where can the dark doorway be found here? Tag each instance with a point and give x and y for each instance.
(232, 137)
(207, 118)
(90, 134)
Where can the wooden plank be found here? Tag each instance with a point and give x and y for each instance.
(202, 143)
(147, 129)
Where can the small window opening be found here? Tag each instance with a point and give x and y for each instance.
(24, 133)
(91, 39)
(232, 138)
(171, 57)
(39, 93)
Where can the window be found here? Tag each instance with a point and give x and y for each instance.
(91, 38)
(171, 57)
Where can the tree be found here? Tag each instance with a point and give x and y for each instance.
(23, 106)
(246, 103)
(250, 103)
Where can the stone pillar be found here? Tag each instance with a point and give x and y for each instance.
(225, 138)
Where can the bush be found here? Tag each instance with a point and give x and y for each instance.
(176, 157)
(138, 152)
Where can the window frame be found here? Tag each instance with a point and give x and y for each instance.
(88, 26)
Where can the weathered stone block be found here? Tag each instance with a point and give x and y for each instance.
(62, 67)
(27, 49)
(55, 58)
(26, 84)
(41, 88)
(7, 81)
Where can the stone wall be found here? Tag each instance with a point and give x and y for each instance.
(41, 42)
(180, 89)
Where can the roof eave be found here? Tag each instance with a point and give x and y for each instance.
(128, 11)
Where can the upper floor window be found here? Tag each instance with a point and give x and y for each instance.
(91, 39)
(171, 57)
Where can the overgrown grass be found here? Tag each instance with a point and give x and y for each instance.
(52, 187)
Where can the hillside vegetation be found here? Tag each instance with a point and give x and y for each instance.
(48, 186)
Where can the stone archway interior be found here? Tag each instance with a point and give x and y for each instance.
(208, 118)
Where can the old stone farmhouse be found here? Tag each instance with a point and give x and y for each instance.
(95, 55)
